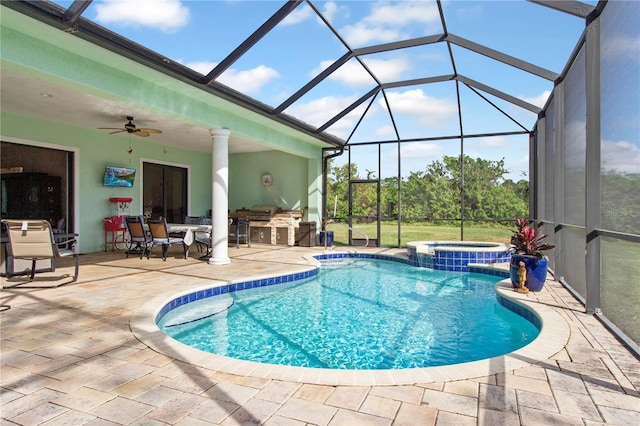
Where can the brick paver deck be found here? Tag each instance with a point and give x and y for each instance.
(69, 357)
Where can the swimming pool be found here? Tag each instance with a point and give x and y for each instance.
(355, 313)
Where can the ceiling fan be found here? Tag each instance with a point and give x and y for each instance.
(131, 128)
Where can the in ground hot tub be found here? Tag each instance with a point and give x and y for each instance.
(456, 255)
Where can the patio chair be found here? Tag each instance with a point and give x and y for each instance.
(197, 235)
(192, 220)
(60, 231)
(160, 236)
(239, 229)
(139, 239)
(203, 238)
(33, 240)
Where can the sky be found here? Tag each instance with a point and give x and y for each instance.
(200, 34)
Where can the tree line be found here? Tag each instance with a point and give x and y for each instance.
(447, 189)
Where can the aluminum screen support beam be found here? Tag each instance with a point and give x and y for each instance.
(417, 81)
(502, 57)
(499, 94)
(356, 53)
(76, 9)
(348, 109)
(310, 85)
(559, 186)
(244, 47)
(403, 44)
(593, 204)
(575, 8)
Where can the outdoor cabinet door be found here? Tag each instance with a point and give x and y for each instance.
(261, 235)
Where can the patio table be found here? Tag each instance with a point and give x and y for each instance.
(188, 230)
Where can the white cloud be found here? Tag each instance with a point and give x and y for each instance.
(248, 81)
(401, 13)
(319, 111)
(353, 74)
(496, 142)
(433, 112)
(361, 34)
(300, 14)
(387, 20)
(621, 156)
(203, 67)
(539, 100)
(421, 150)
(387, 70)
(330, 10)
(165, 15)
(303, 13)
(385, 131)
(623, 46)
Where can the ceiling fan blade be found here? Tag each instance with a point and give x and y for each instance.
(142, 129)
(131, 128)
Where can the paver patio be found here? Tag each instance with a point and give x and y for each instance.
(69, 357)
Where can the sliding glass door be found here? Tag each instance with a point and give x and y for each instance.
(164, 192)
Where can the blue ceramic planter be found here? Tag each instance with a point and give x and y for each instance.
(536, 271)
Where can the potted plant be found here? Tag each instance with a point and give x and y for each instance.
(527, 246)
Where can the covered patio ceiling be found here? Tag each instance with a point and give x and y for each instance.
(346, 72)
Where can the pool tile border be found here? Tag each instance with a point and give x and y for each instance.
(450, 255)
(231, 288)
(554, 334)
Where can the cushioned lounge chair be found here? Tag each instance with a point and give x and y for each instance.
(33, 240)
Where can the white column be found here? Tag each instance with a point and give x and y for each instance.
(220, 201)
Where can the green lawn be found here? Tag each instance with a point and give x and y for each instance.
(422, 232)
(620, 288)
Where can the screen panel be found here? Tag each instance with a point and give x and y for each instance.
(575, 112)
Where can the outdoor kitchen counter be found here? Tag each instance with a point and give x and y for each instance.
(271, 225)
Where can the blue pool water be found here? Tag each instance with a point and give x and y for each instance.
(357, 314)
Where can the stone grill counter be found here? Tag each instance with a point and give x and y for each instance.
(271, 225)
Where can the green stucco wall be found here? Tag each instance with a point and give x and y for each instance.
(288, 190)
(95, 151)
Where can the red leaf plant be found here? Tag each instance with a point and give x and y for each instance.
(528, 241)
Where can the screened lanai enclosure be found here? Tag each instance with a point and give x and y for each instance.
(458, 114)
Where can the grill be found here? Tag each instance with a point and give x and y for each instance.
(262, 212)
